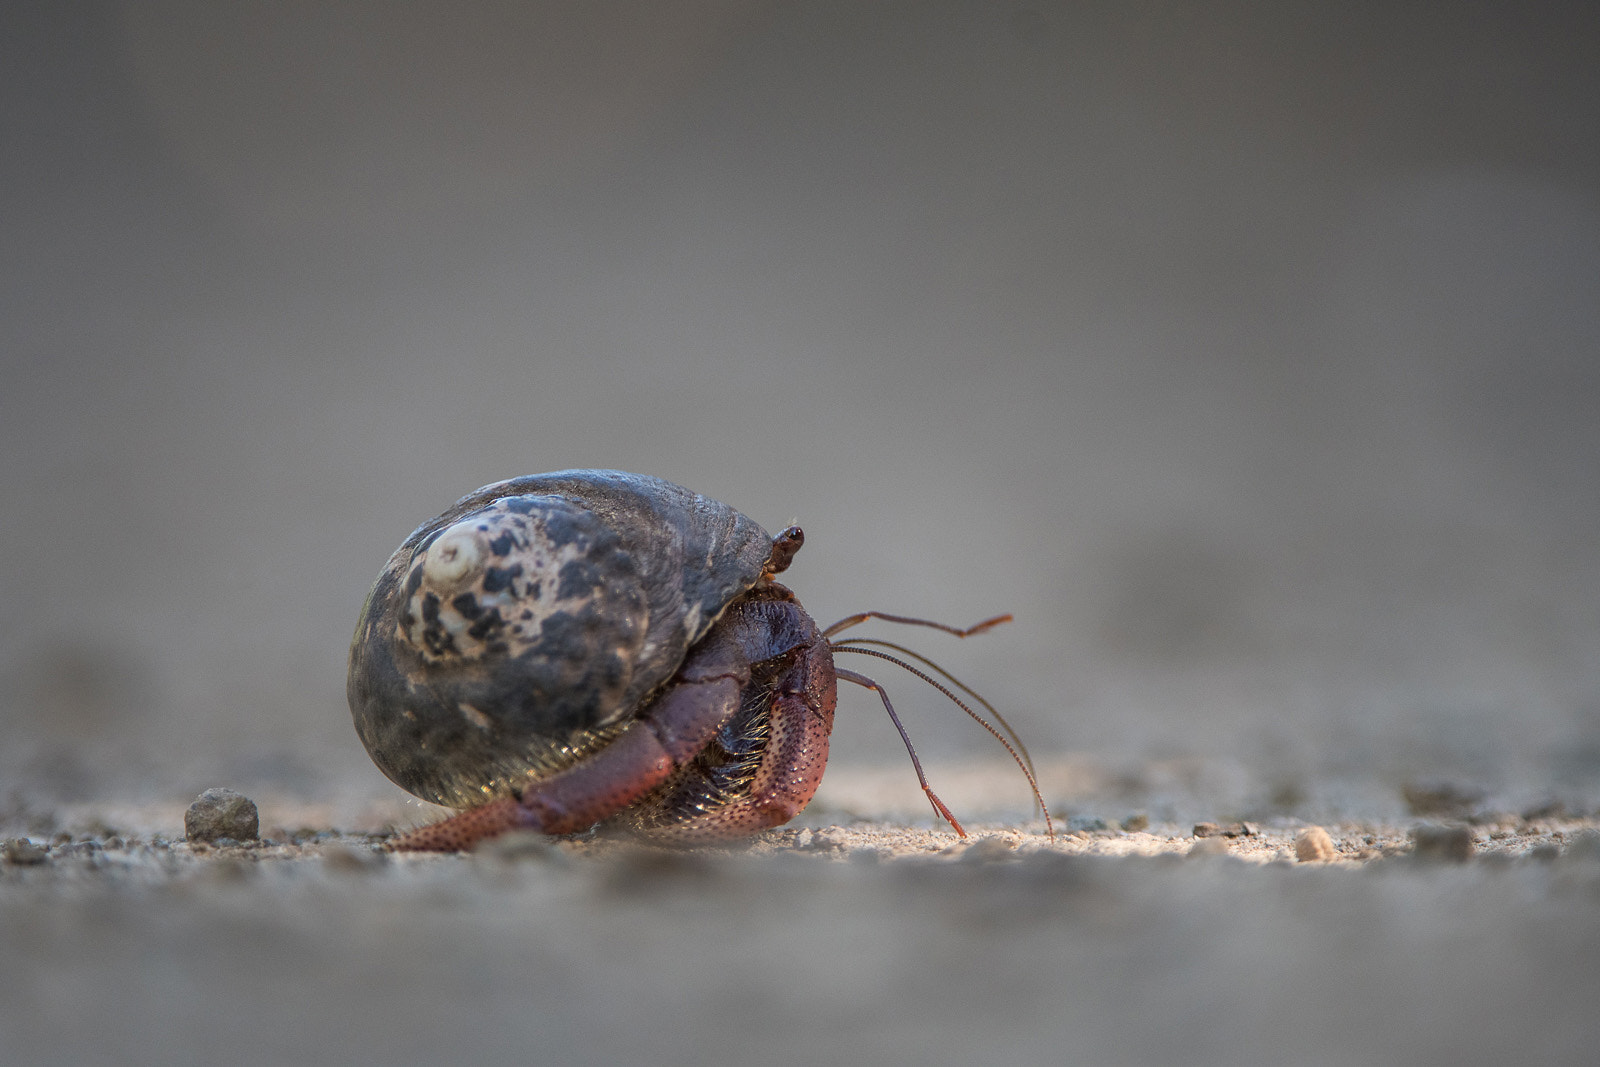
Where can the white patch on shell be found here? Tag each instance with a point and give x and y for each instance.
(521, 586)
(453, 555)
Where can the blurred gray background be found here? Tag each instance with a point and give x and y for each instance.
(1249, 353)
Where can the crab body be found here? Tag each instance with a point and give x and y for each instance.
(567, 649)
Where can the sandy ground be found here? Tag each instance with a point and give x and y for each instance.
(841, 939)
(1244, 352)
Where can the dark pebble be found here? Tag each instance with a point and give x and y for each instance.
(218, 814)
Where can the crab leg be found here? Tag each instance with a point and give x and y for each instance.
(800, 721)
(642, 758)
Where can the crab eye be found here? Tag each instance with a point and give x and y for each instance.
(784, 546)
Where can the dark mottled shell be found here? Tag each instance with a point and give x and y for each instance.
(528, 624)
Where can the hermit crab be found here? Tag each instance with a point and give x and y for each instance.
(588, 647)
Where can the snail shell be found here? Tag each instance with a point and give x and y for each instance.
(527, 625)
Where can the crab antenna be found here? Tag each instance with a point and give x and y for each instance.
(907, 620)
(1033, 783)
(938, 805)
(953, 680)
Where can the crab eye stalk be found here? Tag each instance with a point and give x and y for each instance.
(784, 547)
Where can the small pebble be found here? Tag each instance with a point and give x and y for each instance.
(221, 813)
(1206, 829)
(24, 853)
(1313, 845)
(1442, 844)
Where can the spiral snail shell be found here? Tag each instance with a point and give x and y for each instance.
(591, 646)
(515, 632)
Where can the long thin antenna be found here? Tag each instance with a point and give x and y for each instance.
(953, 680)
(938, 805)
(907, 620)
(1033, 783)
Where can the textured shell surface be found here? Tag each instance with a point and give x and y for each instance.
(527, 624)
